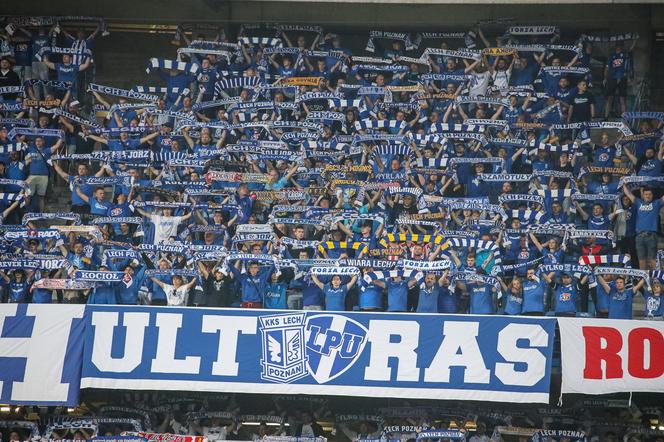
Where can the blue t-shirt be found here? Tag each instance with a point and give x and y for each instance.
(335, 298)
(651, 167)
(371, 298)
(18, 291)
(67, 72)
(86, 189)
(397, 296)
(617, 64)
(481, 299)
(99, 207)
(513, 305)
(620, 303)
(566, 296)
(275, 296)
(427, 301)
(533, 296)
(647, 215)
(447, 301)
(38, 165)
(654, 305)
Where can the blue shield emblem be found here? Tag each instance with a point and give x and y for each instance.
(333, 344)
(283, 358)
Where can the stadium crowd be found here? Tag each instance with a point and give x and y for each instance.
(315, 419)
(438, 172)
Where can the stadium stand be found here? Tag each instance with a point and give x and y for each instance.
(432, 172)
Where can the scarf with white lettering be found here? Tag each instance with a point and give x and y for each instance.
(10, 262)
(35, 132)
(380, 35)
(343, 271)
(501, 177)
(116, 92)
(611, 38)
(532, 30)
(459, 53)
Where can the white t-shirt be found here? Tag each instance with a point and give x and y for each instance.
(501, 79)
(165, 227)
(212, 433)
(178, 297)
(479, 83)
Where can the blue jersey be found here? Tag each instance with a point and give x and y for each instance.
(104, 293)
(514, 304)
(397, 296)
(617, 64)
(99, 207)
(481, 299)
(371, 298)
(42, 296)
(18, 291)
(126, 292)
(620, 303)
(253, 287)
(602, 303)
(38, 158)
(533, 296)
(335, 298)
(448, 301)
(67, 72)
(428, 299)
(654, 305)
(311, 294)
(566, 296)
(275, 296)
(647, 215)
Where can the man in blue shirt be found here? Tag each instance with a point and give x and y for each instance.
(36, 158)
(533, 294)
(615, 78)
(253, 283)
(68, 71)
(620, 302)
(647, 221)
(335, 292)
(98, 204)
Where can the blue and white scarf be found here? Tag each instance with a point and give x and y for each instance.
(160, 63)
(116, 92)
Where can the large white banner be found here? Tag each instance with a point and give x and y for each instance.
(606, 356)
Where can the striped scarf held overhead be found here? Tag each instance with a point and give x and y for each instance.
(407, 237)
(406, 274)
(348, 245)
(475, 244)
(604, 259)
(161, 63)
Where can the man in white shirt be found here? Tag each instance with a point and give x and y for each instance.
(166, 225)
(177, 294)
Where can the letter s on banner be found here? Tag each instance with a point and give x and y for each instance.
(606, 356)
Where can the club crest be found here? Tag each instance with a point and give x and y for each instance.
(333, 344)
(283, 358)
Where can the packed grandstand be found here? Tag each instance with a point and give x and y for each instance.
(276, 168)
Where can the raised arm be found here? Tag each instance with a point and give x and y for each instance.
(317, 281)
